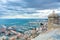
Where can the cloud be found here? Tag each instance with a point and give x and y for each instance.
(39, 14)
(27, 8)
(3, 1)
(43, 4)
(38, 4)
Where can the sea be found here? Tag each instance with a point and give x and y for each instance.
(22, 24)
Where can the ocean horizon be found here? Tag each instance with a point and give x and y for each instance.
(21, 24)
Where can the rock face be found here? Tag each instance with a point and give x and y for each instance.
(53, 20)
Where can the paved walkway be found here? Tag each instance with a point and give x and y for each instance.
(50, 35)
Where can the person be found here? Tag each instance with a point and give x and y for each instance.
(12, 38)
(39, 30)
(44, 28)
(33, 32)
(19, 35)
(3, 37)
(25, 37)
(7, 33)
(28, 38)
(41, 24)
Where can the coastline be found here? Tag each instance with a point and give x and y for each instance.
(30, 34)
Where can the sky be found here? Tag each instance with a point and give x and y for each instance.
(28, 8)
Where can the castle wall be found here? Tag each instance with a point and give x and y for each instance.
(53, 22)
